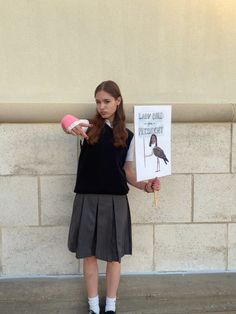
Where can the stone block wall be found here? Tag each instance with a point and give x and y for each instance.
(193, 228)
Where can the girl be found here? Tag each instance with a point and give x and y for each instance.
(100, 224)
(157, 151)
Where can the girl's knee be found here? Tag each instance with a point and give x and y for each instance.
(90, 260)
(114, 264)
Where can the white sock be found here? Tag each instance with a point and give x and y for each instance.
(94, 304)
(110, 304)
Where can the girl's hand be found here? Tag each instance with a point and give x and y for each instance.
(80, 129)
(153, 185)
(75, 126)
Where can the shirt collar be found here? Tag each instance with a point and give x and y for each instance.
(108, 123)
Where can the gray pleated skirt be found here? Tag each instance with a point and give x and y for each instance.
(100, 226)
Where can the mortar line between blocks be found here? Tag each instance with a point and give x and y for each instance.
(1, 268)
(39, 202)
(74, 174)
(192, 198)
(231, 150)
(203, 222)
(227, 246)
(153, 251)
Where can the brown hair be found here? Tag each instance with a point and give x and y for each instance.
(153, 136)
(119, 130)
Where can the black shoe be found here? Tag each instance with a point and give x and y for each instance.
(110, 312)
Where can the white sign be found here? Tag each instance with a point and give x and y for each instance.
(152, 141)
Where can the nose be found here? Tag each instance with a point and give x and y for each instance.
(102, 106)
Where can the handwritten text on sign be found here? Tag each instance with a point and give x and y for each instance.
(152, 141)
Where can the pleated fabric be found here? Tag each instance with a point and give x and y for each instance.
(100, 226)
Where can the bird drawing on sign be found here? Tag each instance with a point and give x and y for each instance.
(157, 151)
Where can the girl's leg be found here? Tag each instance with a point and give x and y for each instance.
(112, 283)
(112, 278)
(91, 282)
(91, 276)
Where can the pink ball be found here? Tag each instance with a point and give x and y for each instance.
(67, 120)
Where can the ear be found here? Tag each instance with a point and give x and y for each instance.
(118, 100)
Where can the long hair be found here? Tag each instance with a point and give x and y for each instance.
(119, 130)
(155, 137)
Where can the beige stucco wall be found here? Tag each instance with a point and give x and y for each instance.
(168, 51)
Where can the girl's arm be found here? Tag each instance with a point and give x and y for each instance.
(150, 186)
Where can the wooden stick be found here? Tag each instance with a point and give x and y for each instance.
(155, 198)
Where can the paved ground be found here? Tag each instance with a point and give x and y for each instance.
(149, 294)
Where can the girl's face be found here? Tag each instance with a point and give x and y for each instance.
(153, 139)
(106, 105)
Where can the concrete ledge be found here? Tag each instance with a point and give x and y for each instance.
(164, 293)
(53, 112)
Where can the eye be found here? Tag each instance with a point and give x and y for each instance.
(107, 101)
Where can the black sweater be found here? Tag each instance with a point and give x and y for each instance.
(100, 167)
